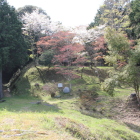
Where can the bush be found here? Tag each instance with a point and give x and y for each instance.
(51, 89)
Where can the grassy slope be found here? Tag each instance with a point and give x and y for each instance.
(22, 118)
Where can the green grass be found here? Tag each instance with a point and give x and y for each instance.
(59, 118)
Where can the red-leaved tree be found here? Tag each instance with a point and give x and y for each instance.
(95, 50)
(55, 41)
(69, 56)
(66, 54)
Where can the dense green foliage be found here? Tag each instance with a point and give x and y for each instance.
(125, 61)
(135, 18)
(113, 13)
(97, 19)
(46, 58)
(12, 45)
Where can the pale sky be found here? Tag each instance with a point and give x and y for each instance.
(69, 12)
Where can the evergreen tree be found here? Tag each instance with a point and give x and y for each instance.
(97, 19)
(46, 58)
(135, 18)
(12, 45)
(113, 13)
(29, 9)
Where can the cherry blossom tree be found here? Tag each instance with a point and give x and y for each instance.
(85, 36)
(36, 24)
(93, 40)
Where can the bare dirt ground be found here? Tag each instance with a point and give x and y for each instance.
(127, 112)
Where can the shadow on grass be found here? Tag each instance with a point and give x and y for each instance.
(53, 75)
(133, 127)
(21, 86)
(28, 104)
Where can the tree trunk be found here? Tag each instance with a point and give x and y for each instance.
(40, 73)
(1, 92)
(82, 73)
(136, 87)
(49, 67)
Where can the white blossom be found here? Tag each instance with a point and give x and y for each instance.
(36, 22)
(84, 36)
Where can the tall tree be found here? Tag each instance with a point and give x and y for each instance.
(37, 24)
(126, 61)
(93, 40)
(12, 45)
(66, 53)
(29, 9)
(97, 20)
(95, 51)
(55, 41)
(113, 13)
(135, 18)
